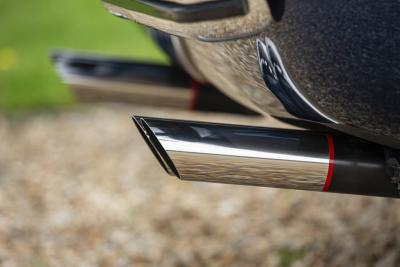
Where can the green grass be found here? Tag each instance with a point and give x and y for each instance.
(287, 257)
(30, 29)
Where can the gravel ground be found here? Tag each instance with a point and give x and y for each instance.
(80, 188)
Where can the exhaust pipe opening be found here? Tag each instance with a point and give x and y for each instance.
(155, 146)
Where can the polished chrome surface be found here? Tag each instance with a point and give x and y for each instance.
(238, 154)
(88, 89)
(94, 78)
(189, 12)
(253, 17)
(184, 59)
(278, 81)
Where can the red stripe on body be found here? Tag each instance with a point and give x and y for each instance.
(331, 163)
(195, 87)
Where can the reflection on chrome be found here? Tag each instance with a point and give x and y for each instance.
(171, 144)
(278, 81)
(238, 154)
(207, 20)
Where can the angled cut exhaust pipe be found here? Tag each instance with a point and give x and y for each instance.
(268, 157)
(100, 78)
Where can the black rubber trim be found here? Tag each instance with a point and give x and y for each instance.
(204, 11)
(360, 168)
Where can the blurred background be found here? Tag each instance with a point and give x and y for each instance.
(31, 30)
(78, 187)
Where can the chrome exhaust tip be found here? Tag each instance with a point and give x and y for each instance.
(258, 156)
(95, 78)
(235, 154)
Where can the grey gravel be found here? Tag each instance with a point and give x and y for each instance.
(79, 188)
